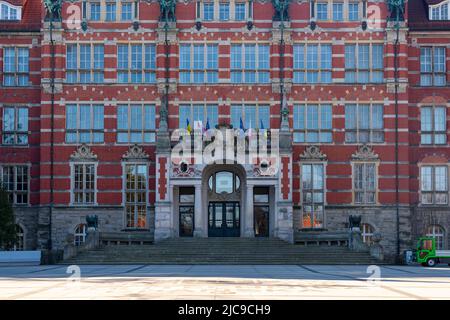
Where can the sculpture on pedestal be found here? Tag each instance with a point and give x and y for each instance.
(53, 9)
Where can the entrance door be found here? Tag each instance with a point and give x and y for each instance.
(224, 219)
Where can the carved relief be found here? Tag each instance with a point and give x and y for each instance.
(364, 152)
(83, 153)
(135, 153)
(313, 153)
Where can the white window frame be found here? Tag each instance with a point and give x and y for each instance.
(439, 9)
(433, 132)
(319, 130)
(142, 131)
(142, 71)
(79, 237)
(370, 130)
(91, 130)
(16, 73)
(257, 70)
(232, 10)
(433, 74)
(367, 232)
(92, 71)
(15, 132)
(10, 7)
(72, 183)
(319, 70)
(243, 107)
(324, 191)
(433, 191)
(124, 192)
(15, 191)
(365, 190)
(205, 69)
(356, 70)
(439, 233)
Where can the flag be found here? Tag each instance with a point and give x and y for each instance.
(207, 124)
(241, 124)
(262, 128)
(188, 126)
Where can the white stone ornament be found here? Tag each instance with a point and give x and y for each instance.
(83, 153)
(135, 153)
(364, 152)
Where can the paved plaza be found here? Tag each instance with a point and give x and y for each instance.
(224, 282)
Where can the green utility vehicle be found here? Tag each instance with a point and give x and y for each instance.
(427, 254)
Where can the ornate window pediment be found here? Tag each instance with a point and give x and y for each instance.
(365, 153)
(313, 153)
(83, 153)
(135, 153)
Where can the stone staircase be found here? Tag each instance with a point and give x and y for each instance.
(221, 251)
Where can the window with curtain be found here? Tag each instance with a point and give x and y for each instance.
(364, 63)
(364, 183)
(199, 63)
(434, 184)
(136, 123)
(84, 123)
(364, 123)
(432, 66)
(433, 125)
(312, 63)
(250, 63)
(313, 123)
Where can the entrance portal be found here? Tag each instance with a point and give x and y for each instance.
(224, 219)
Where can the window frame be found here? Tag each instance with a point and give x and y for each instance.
(16, 74)
(432, 63)
(80, 232)
(433, 192)
(243, 107)
(367, 232)
(134, 191)
(306, 130)
(192, 106)
(78, 130)
(192, 71)
(10, 7)
(15, 192)
(313, 190)
(364, 183)
(93, 71)
(15, 133)
(357, 70)
(433, 132)
(435, 234)
(243, 70)
(143, 131)
(143, 71)
(370, 130)
(84, 190)
(318, 70)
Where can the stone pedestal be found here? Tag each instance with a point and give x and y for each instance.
(163, 221)
(249, 231)
(199, 215)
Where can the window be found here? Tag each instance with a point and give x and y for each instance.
(364, 123)
(136, 63)
(367, 233)
(110, 12)
(135, 123)
(15, 181)
(208, 11)
(250, 63)
(127, 11)
(224, 182)
(15, 66)
(95, 11)
(439, 12)
(15, 125)
(83, 183)
(10, 13)
(338, 11)
(364, 183)
(136, 195)
(198, 115)
(312, 195)
(239, 11)
(199, 63)
(438, 233)
(364, 63)
(80, 234)
(353, 11)
(313, 123)
(322, 11)
(85, 63)
(432, 66)
(433, 125)
(312, 63)
(84, 123)
(20, 242)
(434, 184)
(253, 116)
(224, 11)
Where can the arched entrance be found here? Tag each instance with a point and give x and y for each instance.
(225, 185)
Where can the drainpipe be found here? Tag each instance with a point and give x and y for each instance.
(397, 182)
(52, 120)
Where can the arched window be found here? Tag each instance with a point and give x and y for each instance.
(367, 233)
(80, 234)
(224, 182)
(20, 243)
(438, 233)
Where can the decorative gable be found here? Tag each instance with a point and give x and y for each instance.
(365, 153)
(83, 153)
(135, 153)
(313, 153)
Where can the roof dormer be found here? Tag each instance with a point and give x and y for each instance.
(9, 11)
(438, 11)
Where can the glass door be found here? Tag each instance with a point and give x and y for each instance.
(186, 211)
(224, 219)
(261, 211)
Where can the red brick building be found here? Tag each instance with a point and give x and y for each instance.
(361, 107)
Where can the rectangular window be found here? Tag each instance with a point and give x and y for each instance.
(433, 125)
(84, 123)
(198, 115)
(15, 66)
(8, 13)
(432, 66)
(250, 63)
(253, 116)
(83, 183)
(15, 126)
(239, 11)
(110, 12)
(136, 123)
(312, 195)
(434, 184)
(136, 63)
(312, 63)
(224, 11)
(199, 63)
(364, 177)
(136, 196)
(322, 11)
(127, 11)
(208, 11)
(364, 63)
(364, 123)
(85, 63)
(338, 11)
(95, 11)
(313, 123)
(15, 181)
(353, 11)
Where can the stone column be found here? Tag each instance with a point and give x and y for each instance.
(199, 215)
(249, 231)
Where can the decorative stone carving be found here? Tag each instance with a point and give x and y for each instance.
(83, 153)
(53, 9)
(135, 153)
(313, 153)
(364, 153)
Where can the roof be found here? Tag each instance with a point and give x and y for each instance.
(31, 16)
(418, 17)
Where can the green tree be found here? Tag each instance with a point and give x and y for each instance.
(8, 232)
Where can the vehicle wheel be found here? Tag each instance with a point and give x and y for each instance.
(431, 262)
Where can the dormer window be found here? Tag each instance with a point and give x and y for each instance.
(224, 10)
(9, 12)
(439, 11)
